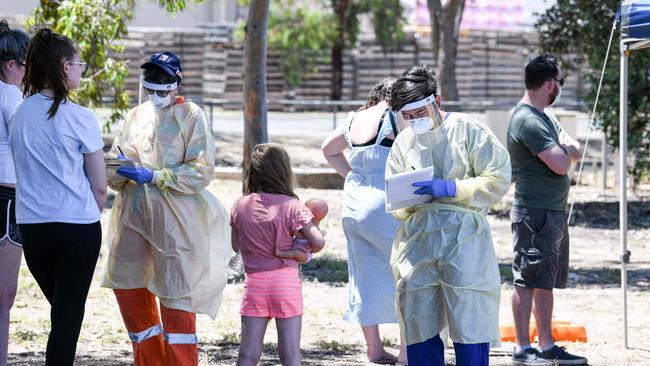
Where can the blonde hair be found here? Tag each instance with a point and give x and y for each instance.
(270, 171)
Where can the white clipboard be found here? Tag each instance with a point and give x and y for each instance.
(116, 163)
(400, 190)
(113, 164)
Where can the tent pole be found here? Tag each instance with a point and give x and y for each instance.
(623, 181)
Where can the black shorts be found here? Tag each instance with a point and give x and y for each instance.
(541, 248)
(8, 228)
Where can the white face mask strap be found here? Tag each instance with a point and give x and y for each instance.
(420, 103)
(152, 86)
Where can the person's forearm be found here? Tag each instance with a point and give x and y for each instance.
(100, 198)
(572, 147)
(295, 254)
(339, 163)
(573, 152)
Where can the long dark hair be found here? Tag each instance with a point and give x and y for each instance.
(13, 46)
(270, 171)
(45, 57)
(416, 83)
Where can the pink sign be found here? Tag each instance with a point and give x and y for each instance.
(479, 14)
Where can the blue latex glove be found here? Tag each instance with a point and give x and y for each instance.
(139, 175)
(437, 188)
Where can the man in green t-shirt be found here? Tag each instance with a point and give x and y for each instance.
(541, 154)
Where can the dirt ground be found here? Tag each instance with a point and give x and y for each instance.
(593, 298)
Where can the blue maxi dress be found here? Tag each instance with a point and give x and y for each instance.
(369, 231)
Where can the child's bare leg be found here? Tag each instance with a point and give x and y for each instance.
(252, 339)
(289, 330)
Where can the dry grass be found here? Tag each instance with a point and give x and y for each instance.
(593, 300)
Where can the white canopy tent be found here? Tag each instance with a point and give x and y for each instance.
(634, 18)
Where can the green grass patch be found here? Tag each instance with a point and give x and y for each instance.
(389, 342)
(230, 337)
(335, 346)
(28, 335)
(325, 269)
(505, 269)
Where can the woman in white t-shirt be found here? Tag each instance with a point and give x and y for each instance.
(61, 186)
(13, 46)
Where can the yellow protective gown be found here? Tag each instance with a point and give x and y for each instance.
(445, 267)
(170, 236)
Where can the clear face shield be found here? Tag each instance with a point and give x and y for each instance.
(158, 94)
(422, 115)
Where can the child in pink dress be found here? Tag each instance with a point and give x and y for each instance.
(267, 217)
(301, 250)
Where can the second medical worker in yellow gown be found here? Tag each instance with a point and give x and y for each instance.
(169, 237)
(443, 260)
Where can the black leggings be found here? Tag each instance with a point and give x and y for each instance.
(62, 259)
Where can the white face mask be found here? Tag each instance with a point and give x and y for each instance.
(421, 125)
(557, 97)
(160, 102)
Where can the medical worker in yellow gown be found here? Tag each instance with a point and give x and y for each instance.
(168, 237)
(443, 260)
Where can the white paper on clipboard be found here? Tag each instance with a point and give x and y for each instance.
(400, 190)
(113, 164)
(116, 163)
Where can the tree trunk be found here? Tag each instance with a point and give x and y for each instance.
(255, 44)
(341, 8)
(435, 14)
(448, 24)
(452, 15)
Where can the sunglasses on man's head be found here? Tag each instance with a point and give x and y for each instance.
(160, 93)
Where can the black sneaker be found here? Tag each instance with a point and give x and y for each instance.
(529, 356)
(562, 357)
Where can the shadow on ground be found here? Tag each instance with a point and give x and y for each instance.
(330, 353)
(101, 358)
(326, 353)
(325, 269)
(598, 215)
(225, 353)
(334, 271)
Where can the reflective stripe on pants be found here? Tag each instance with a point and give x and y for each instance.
(146, 334)
(140, 313)
(180, 337)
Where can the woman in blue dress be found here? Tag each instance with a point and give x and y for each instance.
(369, 230)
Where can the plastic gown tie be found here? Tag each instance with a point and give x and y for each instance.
(172, 236)
(444, 264)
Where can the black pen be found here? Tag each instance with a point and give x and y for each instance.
(121, 152)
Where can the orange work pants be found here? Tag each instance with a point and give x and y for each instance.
(176, 346)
